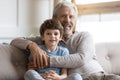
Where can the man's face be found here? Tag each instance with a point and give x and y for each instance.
(66, 16)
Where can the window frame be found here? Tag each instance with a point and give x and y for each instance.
(98, 8)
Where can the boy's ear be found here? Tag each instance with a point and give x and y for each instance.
(60, 38)
(42, 38)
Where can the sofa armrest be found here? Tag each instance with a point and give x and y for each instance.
(12, 63)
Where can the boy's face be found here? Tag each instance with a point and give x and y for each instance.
(51, 37)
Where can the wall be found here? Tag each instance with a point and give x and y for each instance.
(103, 27)
(20, 18)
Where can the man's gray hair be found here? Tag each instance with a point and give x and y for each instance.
(65, 3)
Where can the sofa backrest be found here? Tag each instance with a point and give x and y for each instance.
(108, 56)
(13, 61)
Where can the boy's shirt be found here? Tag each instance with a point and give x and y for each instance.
(60, 51)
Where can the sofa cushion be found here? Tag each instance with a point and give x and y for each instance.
(12, 63)
(108, 56)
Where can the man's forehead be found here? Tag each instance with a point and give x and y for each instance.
(66, 9)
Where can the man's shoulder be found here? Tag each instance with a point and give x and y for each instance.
(81, 34)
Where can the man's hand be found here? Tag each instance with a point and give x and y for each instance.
(40, 58)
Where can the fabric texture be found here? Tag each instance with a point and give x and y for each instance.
(102, 76)
(12, 63)
(108, 56)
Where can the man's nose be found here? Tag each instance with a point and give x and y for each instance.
(67, 19)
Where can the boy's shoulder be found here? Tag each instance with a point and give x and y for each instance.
(63, 49)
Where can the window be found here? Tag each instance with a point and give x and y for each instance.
(97, 7)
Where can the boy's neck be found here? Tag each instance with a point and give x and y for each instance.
(51, 48)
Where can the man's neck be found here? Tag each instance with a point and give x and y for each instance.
(66, 36)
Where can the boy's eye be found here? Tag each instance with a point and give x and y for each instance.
(56, 34)
(48, 33)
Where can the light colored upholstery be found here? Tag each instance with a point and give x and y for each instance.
(13, 61)
(109, 56)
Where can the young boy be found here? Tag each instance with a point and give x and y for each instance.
(51, 32)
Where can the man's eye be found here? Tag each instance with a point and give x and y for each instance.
(71, 17)
(63, 16)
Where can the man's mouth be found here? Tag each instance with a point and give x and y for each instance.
(66, 24)
(66, 28)
(52, 40)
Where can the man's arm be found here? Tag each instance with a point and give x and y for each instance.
(82, 50)
(23, 42)
(40, 59)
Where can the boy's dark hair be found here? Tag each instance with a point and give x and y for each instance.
(51, 24)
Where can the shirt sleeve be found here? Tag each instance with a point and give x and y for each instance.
(23, 42)
(81, 49)
(66, 52)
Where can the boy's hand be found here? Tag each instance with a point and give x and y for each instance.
(53, 75)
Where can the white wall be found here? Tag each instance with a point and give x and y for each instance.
(103, 27)
(20, 18)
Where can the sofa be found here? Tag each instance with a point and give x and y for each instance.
(13, 60)
(12, 63)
